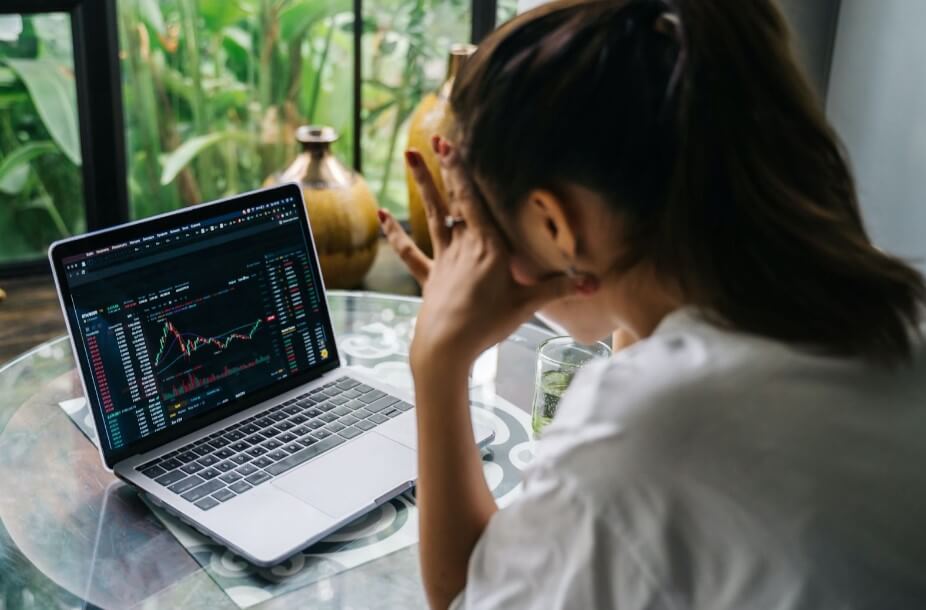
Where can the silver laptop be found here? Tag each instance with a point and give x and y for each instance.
(211, 367)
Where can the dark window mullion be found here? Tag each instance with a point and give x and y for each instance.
(99, 107)
(484, 14)
(358, 85)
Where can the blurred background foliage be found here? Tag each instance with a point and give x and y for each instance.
(213, 91)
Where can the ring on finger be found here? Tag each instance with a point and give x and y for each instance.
(451, 221)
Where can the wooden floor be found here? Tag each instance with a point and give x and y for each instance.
(31, 313)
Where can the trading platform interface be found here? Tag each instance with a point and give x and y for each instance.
(181, 322)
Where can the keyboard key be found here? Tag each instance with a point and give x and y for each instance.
(363, 388)
(364, 425)
(326, 406)
(247, 469)
(225, 466)
(403, 406)
(231, 477)
(258, 477)
(277, 455)
(234, 435)
(207, 504)
(392, 412)
(272, 444)
(219, 442)
(347, 383)
(263, 461)
(209, 460)
(264, 422)
(285, 425)
(202, 491)
(351, 394)
(239, 446)
(315, 424)
(335, 427)
(202, 450)
(338, 400)
(381, 403)
(256, 451)
(224, 453)
(347, 420)
(187, 457)
(147, 465)
(362, 413)
(341, 411)
(223, 495)
(321, 434)
(350, 432)
(192, 468)
(240, 487)
(299, 419)
(241, 458)
(299, 431)
(268, 432)
(249, 428)
(292, 447)
(306, 441)
(170, 478)
(256, 439)
(152, 472)
(209, 473)
(186, 484)
(292, 410)
(170, 464)
(303, 456)
(328, 417)
(313, 412)
(355, 405)
(379, 419)
(371, 397)
(286, 437)
(278, 416)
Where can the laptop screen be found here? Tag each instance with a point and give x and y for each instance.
(195, 313)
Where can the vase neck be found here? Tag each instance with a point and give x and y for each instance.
(458, 55)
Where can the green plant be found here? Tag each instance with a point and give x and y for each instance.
(213, 91)
(39, 142)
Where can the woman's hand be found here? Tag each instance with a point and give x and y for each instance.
(471, 301)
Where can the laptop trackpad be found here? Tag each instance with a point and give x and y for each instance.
(351, 477)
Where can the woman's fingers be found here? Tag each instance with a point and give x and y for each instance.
(434, 205)
(464, 200)
(418, 264)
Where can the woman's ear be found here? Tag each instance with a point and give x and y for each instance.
(546, 222)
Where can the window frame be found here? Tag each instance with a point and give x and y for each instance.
(98, 79)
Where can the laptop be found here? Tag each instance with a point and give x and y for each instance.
(210, 364)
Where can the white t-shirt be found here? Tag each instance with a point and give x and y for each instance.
(712, 470)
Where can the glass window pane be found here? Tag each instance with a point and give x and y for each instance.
(506, 10)
(214, 90)
(41, 195)
(405, 47)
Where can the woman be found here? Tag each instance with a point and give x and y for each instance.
(661, 167)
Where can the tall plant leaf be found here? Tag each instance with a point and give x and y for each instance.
(14, 168)
(54, 94)
(296, 18)
(175, 161)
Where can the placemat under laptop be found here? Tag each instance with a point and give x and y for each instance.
(385, 530)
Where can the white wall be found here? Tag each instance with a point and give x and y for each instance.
(877, 102)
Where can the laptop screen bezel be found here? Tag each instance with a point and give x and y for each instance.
(62, 250)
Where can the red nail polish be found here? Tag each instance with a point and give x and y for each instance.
(382, 215)
(435, 144)
(412, 158)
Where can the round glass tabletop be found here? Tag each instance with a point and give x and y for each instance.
(72, 534)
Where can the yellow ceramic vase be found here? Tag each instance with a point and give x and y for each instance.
(340, 205)
(432, 117)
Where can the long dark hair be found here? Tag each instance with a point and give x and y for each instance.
(693, 119)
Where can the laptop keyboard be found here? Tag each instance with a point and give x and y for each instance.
(233, 461)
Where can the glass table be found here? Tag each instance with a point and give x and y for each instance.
(73, 535)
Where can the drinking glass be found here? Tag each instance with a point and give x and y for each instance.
(558, 360)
